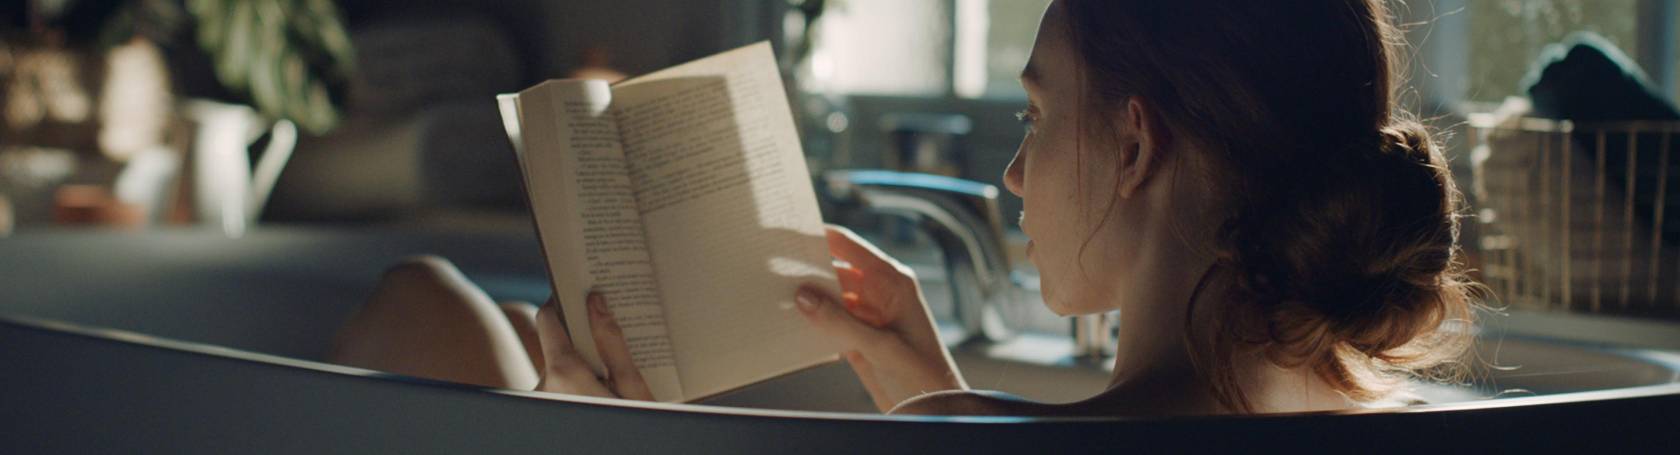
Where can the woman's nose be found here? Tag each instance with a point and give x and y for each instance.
(1015, 175)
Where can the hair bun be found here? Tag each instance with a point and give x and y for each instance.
(1362, 256)
(1392, 289)
(1409, 140)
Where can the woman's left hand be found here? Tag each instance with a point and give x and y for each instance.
(564, 371)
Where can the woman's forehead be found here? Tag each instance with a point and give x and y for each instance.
(1052, 53)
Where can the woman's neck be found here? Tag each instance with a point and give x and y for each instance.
(1154, 372)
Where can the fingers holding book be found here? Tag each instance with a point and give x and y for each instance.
(882, 322)
(836, 321)
(879, 290)
(852, 248)
(622, 375)
(892, 365)
(565, 371)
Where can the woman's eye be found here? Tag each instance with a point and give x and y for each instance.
(1026, 117)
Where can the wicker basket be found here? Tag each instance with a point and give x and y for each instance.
(1578, 217)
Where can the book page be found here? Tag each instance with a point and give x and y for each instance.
(731, 217)
(507, 104)
(588, 224)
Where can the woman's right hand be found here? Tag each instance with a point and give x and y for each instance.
(563, 370)
(882, 323)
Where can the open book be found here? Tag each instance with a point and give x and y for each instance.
(683, 197)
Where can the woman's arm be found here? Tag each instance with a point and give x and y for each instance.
(882, 323)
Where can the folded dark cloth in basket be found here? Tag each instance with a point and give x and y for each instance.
(1586, 78)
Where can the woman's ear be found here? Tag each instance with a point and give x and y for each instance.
(1144, 140)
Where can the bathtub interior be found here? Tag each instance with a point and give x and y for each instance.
(284, 292)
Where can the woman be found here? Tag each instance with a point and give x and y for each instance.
(1233, 176)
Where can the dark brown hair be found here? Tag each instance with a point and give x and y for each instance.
(1340, 215)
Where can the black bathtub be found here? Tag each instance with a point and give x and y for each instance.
(188, 342)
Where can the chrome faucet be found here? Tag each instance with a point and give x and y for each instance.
(963, 218)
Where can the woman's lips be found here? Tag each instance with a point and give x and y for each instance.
(1022, 222)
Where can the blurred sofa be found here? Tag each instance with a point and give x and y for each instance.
(421, 132)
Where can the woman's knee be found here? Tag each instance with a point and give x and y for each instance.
(523, 317)
(421, 270)
(425, 318)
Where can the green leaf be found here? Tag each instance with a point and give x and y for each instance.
(291, 58)
(235, 58)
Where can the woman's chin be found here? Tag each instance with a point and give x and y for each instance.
(1066, 308)
(1055, 305)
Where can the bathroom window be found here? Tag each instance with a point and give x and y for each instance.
(954, 48)
(973, 49)
(860, 40)
(1479, 51)
(1508, 35)
(999, 36)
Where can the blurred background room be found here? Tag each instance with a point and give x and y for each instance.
(161, 158)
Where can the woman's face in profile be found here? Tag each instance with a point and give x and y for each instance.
(1066, 178)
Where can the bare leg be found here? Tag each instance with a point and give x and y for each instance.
(523, 316)
(426, 319)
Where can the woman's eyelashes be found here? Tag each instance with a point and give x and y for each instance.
(1027, 117)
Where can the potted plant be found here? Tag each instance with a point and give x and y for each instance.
(287, 63)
